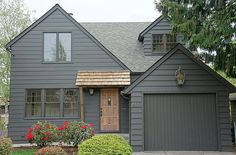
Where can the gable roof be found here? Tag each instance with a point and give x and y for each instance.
(140, 37)
(58, 7)
(121, 39)
(190, 55)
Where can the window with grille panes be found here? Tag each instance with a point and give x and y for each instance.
(170, 41)
(33, 103)
(163, 42)
(52, 102)
(71, 103)
(158, 43)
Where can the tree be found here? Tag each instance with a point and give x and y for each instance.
(14, 17)
(206, 24)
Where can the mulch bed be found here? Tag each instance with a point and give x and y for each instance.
(70, 150)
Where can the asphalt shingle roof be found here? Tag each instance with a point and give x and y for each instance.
(122, 40)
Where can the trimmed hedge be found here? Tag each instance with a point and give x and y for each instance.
(105, 145)
(5, 146)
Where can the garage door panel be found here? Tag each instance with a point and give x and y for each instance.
(180, 122)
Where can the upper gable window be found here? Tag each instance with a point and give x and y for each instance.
(163, 42)
(57, 47)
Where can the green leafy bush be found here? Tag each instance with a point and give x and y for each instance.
(105, 145)
(75, 132)
(2, 125)
(50, 150)
(42, 134)
(5, 146)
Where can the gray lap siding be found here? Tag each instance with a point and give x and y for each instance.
(29, 71)
(162, 80)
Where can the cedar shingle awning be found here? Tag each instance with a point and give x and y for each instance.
(103, 78)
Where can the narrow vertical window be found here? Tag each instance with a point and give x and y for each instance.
(71, 103)
(170, 41)
(50, 47)
(33, 103)
(158, 43)
(64, 47)
(52, 102)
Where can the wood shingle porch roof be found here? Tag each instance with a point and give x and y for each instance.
(103, 78)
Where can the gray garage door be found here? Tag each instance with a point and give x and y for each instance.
(180, 122)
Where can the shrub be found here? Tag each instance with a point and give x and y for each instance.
(105, 144)
(75, 132)
(51, 150)
(5, 146)
(2, 125)
(42, 133)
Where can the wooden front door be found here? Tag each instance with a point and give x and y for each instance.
(109, 110)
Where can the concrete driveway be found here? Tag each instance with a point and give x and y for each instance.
(183, 153)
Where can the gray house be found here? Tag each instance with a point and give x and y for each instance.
(131, 78)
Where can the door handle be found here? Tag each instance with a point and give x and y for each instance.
(101, 112)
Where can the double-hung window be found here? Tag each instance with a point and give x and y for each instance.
(163, 42)
(33, 103)
(70, 103)
(57, 47)
(52, 102)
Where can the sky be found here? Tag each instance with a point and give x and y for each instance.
(100, 10)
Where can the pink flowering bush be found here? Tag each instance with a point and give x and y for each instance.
(42, 134)
(75, 132)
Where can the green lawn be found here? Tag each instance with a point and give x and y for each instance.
(24, 152)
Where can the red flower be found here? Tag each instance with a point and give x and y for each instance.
(43, 150)
(91, 125)
(29, 136)
(30, 129)
(83, 126)
(66, 123)
(47, 126)
(60, 128)
(37, 127)
(45, 138)
(47, 133)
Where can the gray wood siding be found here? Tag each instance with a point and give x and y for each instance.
(162, 80)
(124, 115)
(180, 122)
(163, 27)
(29, 71)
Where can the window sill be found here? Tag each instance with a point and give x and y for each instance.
(57, 62)
(49, 118)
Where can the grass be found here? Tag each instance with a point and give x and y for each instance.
(24, 152)
(231, 80)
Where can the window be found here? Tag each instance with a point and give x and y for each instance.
(171, 41)
(52, 102)
(71, 103)
(50, 50)
(158, 43)
(163, 42)
(33, 103)
(57, 47)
